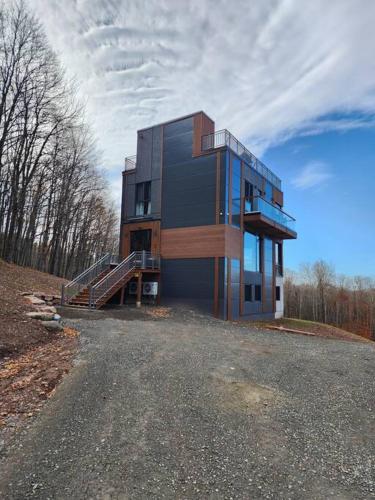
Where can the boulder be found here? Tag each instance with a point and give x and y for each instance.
(52, 326)
(56, 317)
(47, 309)
(44, 316)
(34, 300)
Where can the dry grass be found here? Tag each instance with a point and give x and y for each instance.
(315, 328)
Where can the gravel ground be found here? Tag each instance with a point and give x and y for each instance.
(192, 407)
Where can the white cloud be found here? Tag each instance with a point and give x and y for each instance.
(264, 70)
(312, 175)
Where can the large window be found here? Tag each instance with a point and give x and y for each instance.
(251, 252)
(143, 198)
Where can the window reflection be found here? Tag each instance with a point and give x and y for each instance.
(251, 252)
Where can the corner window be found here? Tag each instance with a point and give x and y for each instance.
(143, 198)
(258, 293)
(251, 252)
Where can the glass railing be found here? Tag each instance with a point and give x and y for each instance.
(225, 138)
(130, 163)
(258, 204)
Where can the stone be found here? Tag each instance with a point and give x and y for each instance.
(44, 316)
(56, 317)
(47, 309)
(52, 326)
(34, 300)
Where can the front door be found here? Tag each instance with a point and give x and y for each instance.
(140, 240)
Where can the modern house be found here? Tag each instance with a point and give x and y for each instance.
(213, 213)
(202, 223)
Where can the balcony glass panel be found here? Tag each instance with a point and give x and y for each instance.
(272, 212)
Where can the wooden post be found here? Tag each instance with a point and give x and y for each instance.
(139, 290)
(158, 295)
(122, 295)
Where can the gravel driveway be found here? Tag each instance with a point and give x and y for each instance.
(192, 407)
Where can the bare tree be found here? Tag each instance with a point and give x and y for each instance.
(51, 192)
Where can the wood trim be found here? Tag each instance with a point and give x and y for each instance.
(277, 196)
(202, 125)
(217, 240)
(139, 225)
(218, 188)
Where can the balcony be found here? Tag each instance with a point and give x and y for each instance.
(266, 218)
(225, 138)
(130, 163)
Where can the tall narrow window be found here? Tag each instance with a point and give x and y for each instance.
(249, 193)
(251, 252)
(279, 259)
(143, 198)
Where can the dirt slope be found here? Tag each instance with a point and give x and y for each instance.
(17, 331)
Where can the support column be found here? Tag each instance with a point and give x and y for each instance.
(139, 289)
(122, 295)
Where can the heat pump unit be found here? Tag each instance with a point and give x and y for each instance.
(150, 288)
(133, 286)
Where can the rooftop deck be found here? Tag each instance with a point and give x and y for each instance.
(225, 138)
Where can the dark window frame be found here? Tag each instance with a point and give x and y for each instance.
(248, 293)
(143, 198)
(278, 293)
(258, 293)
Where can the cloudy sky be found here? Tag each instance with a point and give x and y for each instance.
(276, 73)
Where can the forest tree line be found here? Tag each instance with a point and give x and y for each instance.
(317, 293)
(55, 214)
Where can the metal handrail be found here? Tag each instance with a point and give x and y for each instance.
(225, 138)
(81, 276)
(81, 281)
(136, 260)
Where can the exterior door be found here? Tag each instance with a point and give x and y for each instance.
(140, 240)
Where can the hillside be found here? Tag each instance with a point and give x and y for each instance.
(18, 332)
(32, 360)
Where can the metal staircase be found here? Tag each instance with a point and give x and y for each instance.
(95, 286)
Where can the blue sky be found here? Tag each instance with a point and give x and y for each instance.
(294, 80)
(329, 187)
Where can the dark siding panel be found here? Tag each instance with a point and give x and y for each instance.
(223, 287)
(251, 278)
(144, 156)
(189, 193)
(189, 281)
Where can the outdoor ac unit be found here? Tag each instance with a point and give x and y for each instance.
(133, 286)
(150, 288)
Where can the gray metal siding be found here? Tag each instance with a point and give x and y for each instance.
(189, 281)
(149, 150)
(189, 193)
